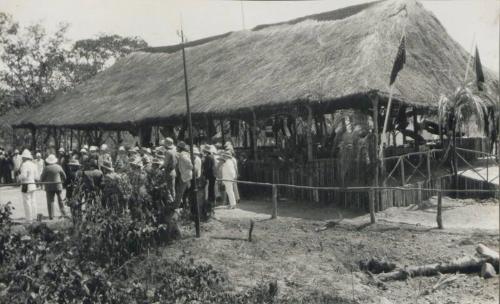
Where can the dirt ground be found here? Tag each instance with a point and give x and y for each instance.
(302, 260)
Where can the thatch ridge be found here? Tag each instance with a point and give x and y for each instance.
(315, 62)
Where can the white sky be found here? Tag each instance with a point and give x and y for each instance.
(157, 21)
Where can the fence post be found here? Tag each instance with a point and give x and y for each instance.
(403, 181)
(429, 165)
(439, 209)
(275, 202)
(372, 206)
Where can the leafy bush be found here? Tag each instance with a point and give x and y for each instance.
(5, 227)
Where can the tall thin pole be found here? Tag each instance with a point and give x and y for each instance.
(242, 15)
(194, 190)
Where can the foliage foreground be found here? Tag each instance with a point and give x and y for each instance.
(42, 265)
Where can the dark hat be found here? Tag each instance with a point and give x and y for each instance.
(74, 162)
(181, 145)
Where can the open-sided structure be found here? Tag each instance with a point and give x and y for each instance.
(301, 70)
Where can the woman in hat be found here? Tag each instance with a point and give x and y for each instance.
(27, 177)
(54, 175)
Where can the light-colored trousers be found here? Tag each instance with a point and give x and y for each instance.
(29, 205)
(230, 193)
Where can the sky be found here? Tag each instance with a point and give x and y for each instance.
(157, 21)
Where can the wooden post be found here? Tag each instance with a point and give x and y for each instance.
(274, 215)
(429, 173)
(70, 139)
(194, 185)
(372, 205)
(380, 161)
(402, 163)
(309, 133)
(253, 128)
(33, 139)
(439, 218)
(415, 127)
(221, 121)
(310, 156)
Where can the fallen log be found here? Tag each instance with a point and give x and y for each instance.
(486, 252)
(473, 264)
(463, 265)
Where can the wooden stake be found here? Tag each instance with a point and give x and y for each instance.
(379, 160)
(252, 223)
(439, 218)
(372, 206)
(275, 202)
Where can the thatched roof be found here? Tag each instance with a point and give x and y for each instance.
(332, 59)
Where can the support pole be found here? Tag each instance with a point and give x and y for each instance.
(309, 134)
(429, 172)
(70, 140)
(274, 215)
(222, 131)
(33, 139)
(194, 190)
(439, 218)
(402, 163)
(372, 206)
(253, 129)
(415, 128)
(380, 160)
(310, 156)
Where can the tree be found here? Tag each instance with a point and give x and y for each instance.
(457, 109)
(38, 64)
(90, 56)
(33, 61)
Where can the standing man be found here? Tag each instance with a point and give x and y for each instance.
(40, 163)
(185, 170)
(228, 172)
(55, 175)
(121, 163)
(209, 168)
(17, 160)
(27, 177)
(170, 165)
(104, 156)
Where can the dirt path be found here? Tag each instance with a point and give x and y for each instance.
(301, 260)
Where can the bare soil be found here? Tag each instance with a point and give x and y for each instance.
(302, 260)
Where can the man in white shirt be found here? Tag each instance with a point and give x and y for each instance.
(228, 170)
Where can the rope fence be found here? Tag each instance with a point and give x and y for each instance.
(373, 191)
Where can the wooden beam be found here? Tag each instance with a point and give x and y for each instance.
(253, 129)
(33, 139)
(309, 140)
(380, 162)
(222, 131)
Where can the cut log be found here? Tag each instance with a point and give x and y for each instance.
(488, 271)
(486, 252)
(464, 265)
(472, 264)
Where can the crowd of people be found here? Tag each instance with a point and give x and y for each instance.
(167, 162)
